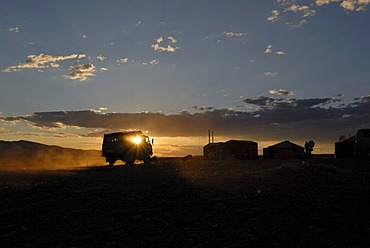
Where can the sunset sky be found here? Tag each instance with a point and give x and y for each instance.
(261, 70)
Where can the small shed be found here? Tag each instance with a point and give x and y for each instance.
(284, 149)
(232, 149)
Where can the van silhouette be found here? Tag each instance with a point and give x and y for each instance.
(126, 146)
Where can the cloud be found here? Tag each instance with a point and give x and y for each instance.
(159, 40)
(268, 49)
(349, 5)
(274, 17)
(322, 2)
(270, 74)
(203, 108)
(159, 48)
(122, 60)
(301, 13)
(233, 34)
(14, 29)
(362, 100)
(260, 101)
(293, 14)
(101, 57)
(295, 25)
(280, 53)
(42, 61)
(275, 118)
(154, 62)
(81, 72)
(306, 10)
(291, 104)
(168, 48)
(281, 92)
(172, 39)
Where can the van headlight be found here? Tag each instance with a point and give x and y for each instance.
(136, 140)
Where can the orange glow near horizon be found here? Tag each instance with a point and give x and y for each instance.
(163, 146)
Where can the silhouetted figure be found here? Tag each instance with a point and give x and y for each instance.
(308, 147)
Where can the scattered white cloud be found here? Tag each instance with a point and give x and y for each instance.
(104, 69)
(172, 39)
(159, 48)
(274, 17)
(42, 61)
(297, 8)
(308, 10)
(122, 60)
(233, 34)
(270, 74)
(281, 92)
(154, 62)
(101, 109)
(168, 48)
(322, 2)
(268, 49)
(295, 25)
(280, 53)
(101, 57)
(84, 36)
(54, 65)
(301, 13)
(349, 5)
(14, 29)
(159, 40)
(81, 72)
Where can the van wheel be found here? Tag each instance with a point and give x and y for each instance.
(146, 160)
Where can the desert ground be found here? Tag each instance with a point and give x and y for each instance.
(197, 203)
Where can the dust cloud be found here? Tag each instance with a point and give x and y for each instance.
(25, 155)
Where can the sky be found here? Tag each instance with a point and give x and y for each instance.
(265, 71)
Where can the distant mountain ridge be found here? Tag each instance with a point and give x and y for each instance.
(25, 155)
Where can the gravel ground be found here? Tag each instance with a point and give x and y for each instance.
(284, 203)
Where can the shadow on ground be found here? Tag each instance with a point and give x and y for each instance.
(179, 204)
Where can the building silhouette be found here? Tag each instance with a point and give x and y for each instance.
(232, 149)
(284, 149)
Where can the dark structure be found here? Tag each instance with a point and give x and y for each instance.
(285, 149)
(232, 149)
(357, 145)
(308, 148)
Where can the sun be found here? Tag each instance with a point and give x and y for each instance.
(136, 140)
